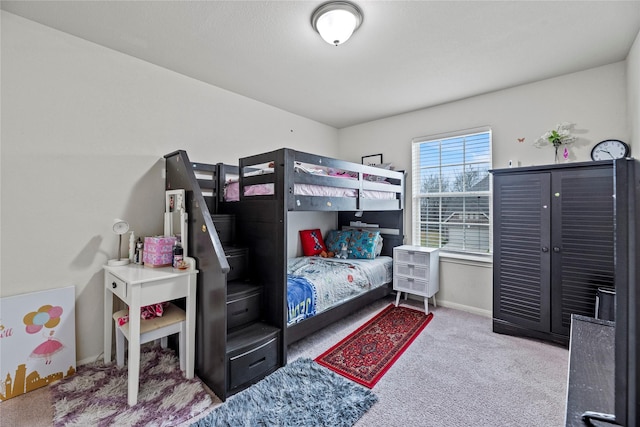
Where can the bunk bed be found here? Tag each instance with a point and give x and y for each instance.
(259, 193)
(271, 184)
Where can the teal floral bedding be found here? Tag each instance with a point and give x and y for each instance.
(315, 284)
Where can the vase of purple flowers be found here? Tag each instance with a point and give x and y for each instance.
(557, 137)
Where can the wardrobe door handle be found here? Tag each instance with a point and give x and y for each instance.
(556, 249)
(545, 249)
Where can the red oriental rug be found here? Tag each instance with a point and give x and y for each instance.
(367, 353)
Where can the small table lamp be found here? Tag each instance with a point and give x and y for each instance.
(119, 227)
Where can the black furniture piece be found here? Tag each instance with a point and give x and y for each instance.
(235, 347)
(627, 312)
(241, 252)
(252, 344)
(553, 246)
(264, 220)
(604, 381)
(591, 382)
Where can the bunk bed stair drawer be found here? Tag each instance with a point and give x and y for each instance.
(238, 259)
(226, 227)
(252, 354)
(243, 304)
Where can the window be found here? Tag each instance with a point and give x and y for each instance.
(452, 191)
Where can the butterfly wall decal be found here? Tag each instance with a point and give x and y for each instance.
(520, 140)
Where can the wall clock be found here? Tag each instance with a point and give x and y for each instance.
(610, 149)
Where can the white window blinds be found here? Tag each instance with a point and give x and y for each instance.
(452, 191)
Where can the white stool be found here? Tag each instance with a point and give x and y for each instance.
(171, 322)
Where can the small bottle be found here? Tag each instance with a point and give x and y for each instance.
(132, 248)
(139, 252)
(178, 253)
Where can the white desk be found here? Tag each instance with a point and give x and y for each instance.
(138, 286)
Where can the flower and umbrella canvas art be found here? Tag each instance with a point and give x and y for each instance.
(37, 340)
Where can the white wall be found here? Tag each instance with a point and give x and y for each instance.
(84, 132)
(595, 100)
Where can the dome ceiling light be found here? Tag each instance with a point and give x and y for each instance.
(335, 21)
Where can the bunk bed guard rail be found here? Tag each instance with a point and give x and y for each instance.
(285, 169)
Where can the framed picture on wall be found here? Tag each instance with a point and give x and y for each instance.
(372, 159)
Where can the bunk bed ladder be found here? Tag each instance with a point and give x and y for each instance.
(211, 261)
(235, 347)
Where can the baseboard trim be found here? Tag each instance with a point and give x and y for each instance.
(467, 308)
(89, 360)
(456, 306)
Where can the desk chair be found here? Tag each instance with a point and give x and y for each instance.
(171, 322)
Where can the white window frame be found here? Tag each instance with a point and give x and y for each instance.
(417, 196)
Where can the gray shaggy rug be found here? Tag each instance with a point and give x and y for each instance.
(302, 393)
(97, 394)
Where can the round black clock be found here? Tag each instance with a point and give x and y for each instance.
(610, 149)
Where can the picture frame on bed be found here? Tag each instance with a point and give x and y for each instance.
(372, 159)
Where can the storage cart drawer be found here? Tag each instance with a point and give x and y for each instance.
(412, 270)
(414, 286)
(412, 257)
(253, 363)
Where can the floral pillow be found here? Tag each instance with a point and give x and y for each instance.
(363, 244)
(336, 238)
(312, 243)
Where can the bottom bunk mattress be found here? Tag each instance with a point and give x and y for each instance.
(315, 284)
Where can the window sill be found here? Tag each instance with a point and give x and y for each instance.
(467, 259)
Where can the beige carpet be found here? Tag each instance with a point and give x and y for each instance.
(33, 409)
(456, 373)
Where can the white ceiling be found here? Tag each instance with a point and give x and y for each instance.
(407, 55)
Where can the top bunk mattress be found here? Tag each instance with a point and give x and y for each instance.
(232, 185)
(232, 191)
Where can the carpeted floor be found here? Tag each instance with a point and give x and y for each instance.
(456, 373)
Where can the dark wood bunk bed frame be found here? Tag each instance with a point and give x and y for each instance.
(262, 228)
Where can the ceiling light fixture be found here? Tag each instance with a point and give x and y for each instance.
(335, 21)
